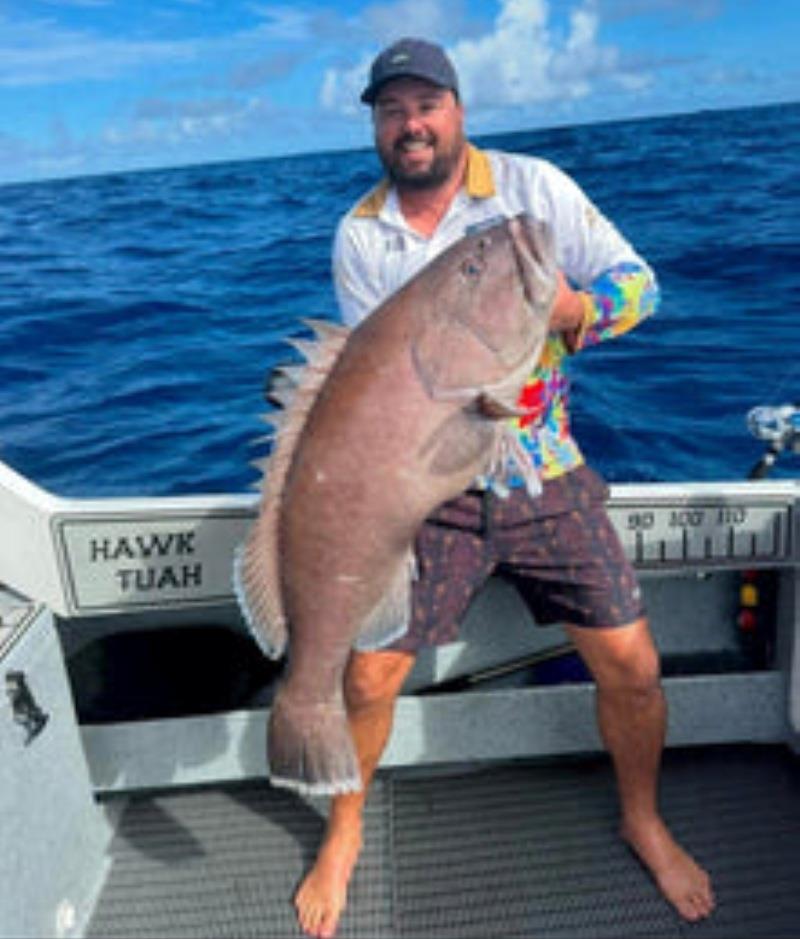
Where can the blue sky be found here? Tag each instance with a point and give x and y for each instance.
(91, 86)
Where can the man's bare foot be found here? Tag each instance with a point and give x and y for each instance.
(321, 897)
(681, 880)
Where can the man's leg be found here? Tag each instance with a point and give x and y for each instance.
(631, 714)
(372, 683)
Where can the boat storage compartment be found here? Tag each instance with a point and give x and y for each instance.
(54, 835)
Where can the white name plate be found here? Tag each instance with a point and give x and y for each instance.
(139, 560)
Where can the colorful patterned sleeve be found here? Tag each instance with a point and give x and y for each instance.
(616, 301)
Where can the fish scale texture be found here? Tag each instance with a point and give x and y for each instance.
(517, 850)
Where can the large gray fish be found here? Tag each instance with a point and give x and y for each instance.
(383, 424)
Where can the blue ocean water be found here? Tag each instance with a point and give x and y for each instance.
(140, 312)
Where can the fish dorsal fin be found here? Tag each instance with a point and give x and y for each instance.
(256, 580)
(296, 390)
(325, 330)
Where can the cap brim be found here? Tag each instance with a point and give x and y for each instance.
(371, 92)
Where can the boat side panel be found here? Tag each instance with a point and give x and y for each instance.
(53, 836)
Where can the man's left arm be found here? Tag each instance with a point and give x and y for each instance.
(606, 288)
(614, 302)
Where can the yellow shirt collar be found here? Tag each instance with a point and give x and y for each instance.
(479, 184)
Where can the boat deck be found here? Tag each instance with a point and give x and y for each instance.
(523, 849)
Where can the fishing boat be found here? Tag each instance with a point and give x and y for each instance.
(133, 783)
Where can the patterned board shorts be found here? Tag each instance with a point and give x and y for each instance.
(560, 551)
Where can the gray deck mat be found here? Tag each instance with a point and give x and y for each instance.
(519, 850)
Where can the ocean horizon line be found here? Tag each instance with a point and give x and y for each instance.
(367, 148)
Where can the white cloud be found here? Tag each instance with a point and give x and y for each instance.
(255, 72)
(285, 23)
(412, 17)
(341, 88)
(522, 60)
(38, 52)
(173, 123)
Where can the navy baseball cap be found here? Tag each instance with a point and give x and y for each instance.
(411, 58)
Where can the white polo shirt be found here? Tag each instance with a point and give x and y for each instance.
(375, 250)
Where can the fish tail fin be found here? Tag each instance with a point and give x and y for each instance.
(310, 748)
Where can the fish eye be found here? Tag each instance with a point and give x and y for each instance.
(471, 268)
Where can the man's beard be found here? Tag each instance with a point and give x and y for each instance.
(438, 172)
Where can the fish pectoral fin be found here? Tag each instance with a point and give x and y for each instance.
(509, 457)
(492, 406)
(389, 618)
(255, 585)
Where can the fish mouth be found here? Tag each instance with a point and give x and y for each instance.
(534, 252)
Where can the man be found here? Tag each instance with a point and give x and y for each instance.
(437, 186)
